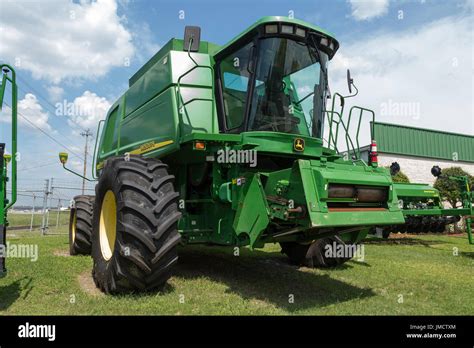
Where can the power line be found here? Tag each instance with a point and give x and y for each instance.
(46, 100)
(45, 133)
(52, 107)
(64, 136)
(73, 188)
(39, 166)
(52, 110)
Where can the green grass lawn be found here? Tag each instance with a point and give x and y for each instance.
(211, 280)
(23, 219)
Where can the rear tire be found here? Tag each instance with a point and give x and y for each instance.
(135, 234)
(80, 225)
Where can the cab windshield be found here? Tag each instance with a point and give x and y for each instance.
(289, 91)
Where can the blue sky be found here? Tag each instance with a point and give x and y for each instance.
(414, 54)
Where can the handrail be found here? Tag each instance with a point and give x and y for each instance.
(94, 159)
(7, 68)
(340, 113)
(331, 121)
(346, 129)
(334, 135)
(362, 109)
(180, 99)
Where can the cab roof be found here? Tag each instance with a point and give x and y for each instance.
(277, 19)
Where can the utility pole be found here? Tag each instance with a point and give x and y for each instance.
(45, 203)
(50, 193)
(86, 134)
(33, 212)
(57, 216)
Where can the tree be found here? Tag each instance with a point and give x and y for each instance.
(449, 189)
(400, 177)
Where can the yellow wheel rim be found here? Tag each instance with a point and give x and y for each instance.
(108, 225)
(73, 227)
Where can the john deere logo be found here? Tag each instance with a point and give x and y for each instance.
(298, 144)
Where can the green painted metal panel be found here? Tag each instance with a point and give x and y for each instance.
(154, 121)
(253, 211)
(411, 141)
(415, 190)
(171, 45)
(196, 117)
(166, 72)
(281, 143)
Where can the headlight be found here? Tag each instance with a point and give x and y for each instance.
(287, 29)
(271, 29)
(300, 32)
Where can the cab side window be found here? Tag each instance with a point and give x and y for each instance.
(235, 82)
(109, 138)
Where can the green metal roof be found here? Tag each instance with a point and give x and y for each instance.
(411, 141)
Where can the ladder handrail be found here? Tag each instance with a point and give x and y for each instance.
(14, 115)
(333, 136)
(179, 96)
(362, 109)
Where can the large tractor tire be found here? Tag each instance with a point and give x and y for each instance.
(80, 225)
(386, 232)
(135, 236)
(313, 254)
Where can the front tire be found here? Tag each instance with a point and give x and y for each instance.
(80, 225)
(313, 254)
(135, 234)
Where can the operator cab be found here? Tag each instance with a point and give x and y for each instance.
(274, 78)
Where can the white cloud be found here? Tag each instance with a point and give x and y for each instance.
(87, 110)
(29, 108)
(363, 10)
(55, 93)
(418, 77)
(144, 39)
(468, 5)
(60, 40)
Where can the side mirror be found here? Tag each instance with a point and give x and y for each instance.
(63, 157)
(350, 81)
(192, 38)
(394, 169)
(436, 171)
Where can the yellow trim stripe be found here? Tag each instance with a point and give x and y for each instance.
(150, 147)
(147, 147)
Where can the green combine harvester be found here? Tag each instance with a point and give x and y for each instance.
(229, 145)
(8, 76)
